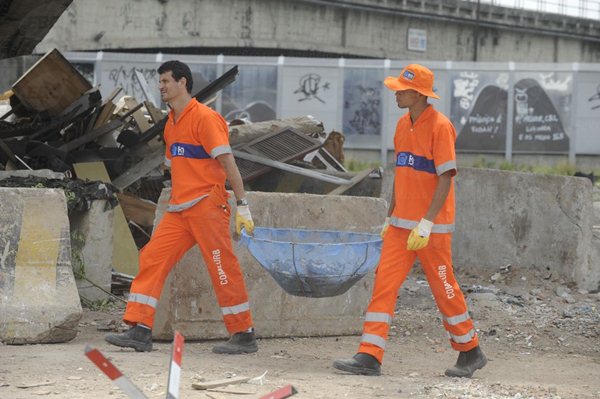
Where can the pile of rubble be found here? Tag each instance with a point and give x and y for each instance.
(111, 147)
(55, 120)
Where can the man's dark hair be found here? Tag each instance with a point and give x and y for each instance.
(178, 70)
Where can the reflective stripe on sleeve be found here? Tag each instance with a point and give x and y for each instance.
(220, 150)
(373, 339)
(143, 299)
(463, 339)
(242, 307)
(446, 166)
(454, 320)
(378, 317)
(411, 224)
(167, 162)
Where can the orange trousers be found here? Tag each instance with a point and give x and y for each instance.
(206, 224)
(394, 265)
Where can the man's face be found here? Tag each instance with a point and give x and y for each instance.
(169, 87)
(407, 98)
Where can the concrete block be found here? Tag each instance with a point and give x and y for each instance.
(188, 303)
(39, 302)
(92, 243)
(124, 253)
(527, 220)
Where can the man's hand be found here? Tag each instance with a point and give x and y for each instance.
(419, 236)
(243, 218)
(384, 229)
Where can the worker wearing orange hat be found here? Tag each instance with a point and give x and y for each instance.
(420, 223)
(200, 158)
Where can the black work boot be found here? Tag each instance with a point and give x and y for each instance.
(242, 342)
(138, 338)
(467, 363)
(361, 363)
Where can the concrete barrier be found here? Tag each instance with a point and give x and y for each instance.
(39, 302)
(92, 243)
(526, 220)
(188, 303)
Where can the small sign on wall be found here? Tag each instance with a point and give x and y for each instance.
(417, 39)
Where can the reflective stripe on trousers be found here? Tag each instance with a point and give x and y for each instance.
(207, 225)
(143, 299)
(394, 265)
(463, 339)
(242, 307)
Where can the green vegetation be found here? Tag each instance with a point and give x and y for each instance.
(560, 168)
(101, 304)
(355, 165)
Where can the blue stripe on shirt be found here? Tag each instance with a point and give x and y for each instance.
(188, 151)
(416, 162)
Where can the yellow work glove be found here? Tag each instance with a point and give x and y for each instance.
(386, 224)
(419, 236)
(243, 218)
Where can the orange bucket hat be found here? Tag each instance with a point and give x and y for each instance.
(413, 77)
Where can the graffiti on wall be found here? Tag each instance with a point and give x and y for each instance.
(594, 99)
(365, 115)
(537, 123)
(310, 87)
(479, 106)
(464, 88)
(124, 76)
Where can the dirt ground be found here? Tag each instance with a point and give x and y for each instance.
(541, 336)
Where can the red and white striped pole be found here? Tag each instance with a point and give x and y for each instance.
(113, 373)
(175, 367)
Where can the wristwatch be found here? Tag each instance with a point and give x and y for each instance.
(242, 202)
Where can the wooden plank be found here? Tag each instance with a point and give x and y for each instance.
(155, 114)
(290, 168)
(151, 161)
(219, 383)
(108, 108)
(106, 113)
(138, 115)
(90, 136)
(125, 252)
(353, 182)
(235, 390)
(138, 210)
(51, 84)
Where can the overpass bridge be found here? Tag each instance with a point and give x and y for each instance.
(395, 29)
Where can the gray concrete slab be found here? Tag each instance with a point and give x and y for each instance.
(188, 303)
(39, 302)
(526, 220)
(92, 242)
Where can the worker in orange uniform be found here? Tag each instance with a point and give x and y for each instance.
(420, 223)
(198, 152)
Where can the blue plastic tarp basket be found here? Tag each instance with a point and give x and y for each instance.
(314, 263)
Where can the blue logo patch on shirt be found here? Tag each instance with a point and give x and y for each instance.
(408, 75)
(417, 162)
(188, 151)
